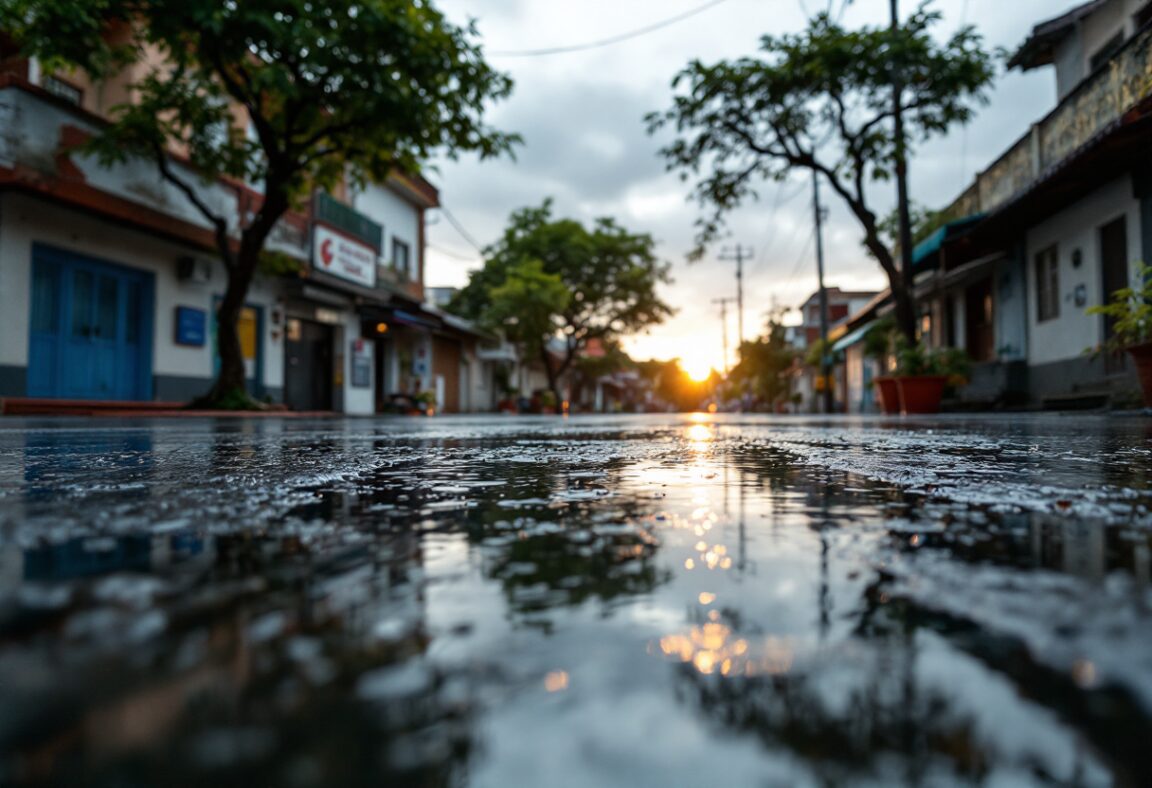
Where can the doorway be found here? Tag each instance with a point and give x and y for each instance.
(308, 360)
(979, 325)
(1114, 276)
(90, 330)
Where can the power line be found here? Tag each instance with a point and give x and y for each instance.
(773, 235)
(803, 257)
(460, 229)
(603, 42)
(450, 253)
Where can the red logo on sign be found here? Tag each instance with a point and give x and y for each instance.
(326, 252)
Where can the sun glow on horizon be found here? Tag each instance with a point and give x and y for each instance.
(698, 370)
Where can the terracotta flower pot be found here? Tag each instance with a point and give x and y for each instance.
(1142, 356)
(921, 393)
(889, 395)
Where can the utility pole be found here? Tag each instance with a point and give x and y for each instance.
(724, 302)
(739, 254)
(905, 219)
(825, 355)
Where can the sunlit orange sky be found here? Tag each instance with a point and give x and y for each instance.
(581, 116)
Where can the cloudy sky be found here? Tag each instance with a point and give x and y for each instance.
(585, 145)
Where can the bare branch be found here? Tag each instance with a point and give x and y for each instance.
(219, 224)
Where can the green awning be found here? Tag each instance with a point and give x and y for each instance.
(934, 242)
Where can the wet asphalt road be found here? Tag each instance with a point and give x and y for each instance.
(632, 601)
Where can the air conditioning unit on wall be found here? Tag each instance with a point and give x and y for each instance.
(196, 270)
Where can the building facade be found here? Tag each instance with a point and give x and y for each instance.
(1054, 226)
(110, 279)
(850, 393)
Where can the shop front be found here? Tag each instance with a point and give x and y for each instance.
(403, 354)
(328, 363)
(309, 364)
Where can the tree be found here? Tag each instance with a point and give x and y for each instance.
(608, 274)
(762, 364)
(821, 100)
(672, 385)
(331, 90)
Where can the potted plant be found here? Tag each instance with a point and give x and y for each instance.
(426, 401)
(923, 373)
(878, 347)
(547, 402)
(1131, 310)
(507, 403)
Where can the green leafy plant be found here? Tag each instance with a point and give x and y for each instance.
(548, 400)
(880, 338)
(816, 353)
(913, 358)
(553, 286)
(426, 398)
(1131, 308)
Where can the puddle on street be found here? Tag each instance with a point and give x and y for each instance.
(657, 601)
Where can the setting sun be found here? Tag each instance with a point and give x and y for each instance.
(697, 370)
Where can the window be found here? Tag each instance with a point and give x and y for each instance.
(400, 259)
(1047, 285)
(60, 88)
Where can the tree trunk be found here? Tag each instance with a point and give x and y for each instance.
(231, 384)
(230, 389)
(904, 308)
(899, 282)
(553, 376)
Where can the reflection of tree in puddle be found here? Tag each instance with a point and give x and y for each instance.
(860, 710)
(869, 707)
(542, 565)
(287, 662)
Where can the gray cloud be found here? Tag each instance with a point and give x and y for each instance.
(581, 117)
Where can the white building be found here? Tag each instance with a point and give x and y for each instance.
(1054, 225)
(109, 276)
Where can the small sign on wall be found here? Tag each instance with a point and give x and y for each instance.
(191, 326)
(361, 363)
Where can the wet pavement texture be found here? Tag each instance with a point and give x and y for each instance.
(617, 601)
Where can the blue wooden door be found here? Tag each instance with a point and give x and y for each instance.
(90, 332)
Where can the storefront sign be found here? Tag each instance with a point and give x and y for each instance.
(191, 326)
(361, 363)
(343, 257)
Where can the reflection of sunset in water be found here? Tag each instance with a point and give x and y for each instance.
(713, 647)
(700, 436)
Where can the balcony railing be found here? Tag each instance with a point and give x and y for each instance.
(1097, 103)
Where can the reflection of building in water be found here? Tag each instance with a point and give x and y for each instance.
(224, 659)
(89, 556)
(1072, 545)
(111, 457)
